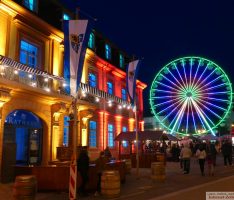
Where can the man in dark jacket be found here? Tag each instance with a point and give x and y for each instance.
(83, 169)
(227, 152)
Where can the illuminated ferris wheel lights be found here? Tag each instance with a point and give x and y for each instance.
(165, 109)
(172, 110)
(201, 114)
(191, 97)
(173, 83)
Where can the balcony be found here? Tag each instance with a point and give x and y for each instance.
(14, 71)
(94, 92)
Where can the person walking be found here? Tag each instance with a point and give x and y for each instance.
(83, 169)
(181, 159)
(107, 153)
(201, 155)
(211, 150)
(210, 164)
(227, 152)
(186, 154)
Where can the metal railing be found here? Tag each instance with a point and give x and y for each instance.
(14, 71)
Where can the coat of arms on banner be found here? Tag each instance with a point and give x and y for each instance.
(75, 41)
(131, 75)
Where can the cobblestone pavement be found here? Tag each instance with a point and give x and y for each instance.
(176, 185)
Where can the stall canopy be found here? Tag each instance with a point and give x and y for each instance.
(208, 137)
(144, 135)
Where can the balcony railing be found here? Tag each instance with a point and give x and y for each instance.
(85, 88)
(14, 71)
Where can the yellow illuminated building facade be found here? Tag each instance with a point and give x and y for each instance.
(35, 111)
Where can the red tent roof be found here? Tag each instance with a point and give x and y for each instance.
(144, 135)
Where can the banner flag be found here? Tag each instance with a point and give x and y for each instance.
(132, 71)
(76, 36)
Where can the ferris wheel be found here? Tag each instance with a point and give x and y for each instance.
(191, 95)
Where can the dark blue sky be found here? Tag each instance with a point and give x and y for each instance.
(161, 31)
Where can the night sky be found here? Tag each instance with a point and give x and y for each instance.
(161, 31)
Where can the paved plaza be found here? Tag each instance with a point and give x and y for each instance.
(176, 186)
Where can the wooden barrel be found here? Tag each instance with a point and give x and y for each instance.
(160, 157)
(110, 184)
(158, 171)
(25, 188)
(128, 163)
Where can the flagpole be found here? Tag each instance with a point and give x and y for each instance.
(137, 142)
(75, 129)
(132, 71)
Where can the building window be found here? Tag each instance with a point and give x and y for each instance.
(93, 134)
(91, 43)
(92, 80)
(66, 131)
(30, 4)
(124, 94)
(28, 54)
(66, 16)
(108, 51)
(125, 143)
(110, 88)
(121, 60)
(110, 135)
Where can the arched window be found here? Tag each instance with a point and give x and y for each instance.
(66, 16)
(30, 4)
(91, 43)
(121, 60)
(107, 51)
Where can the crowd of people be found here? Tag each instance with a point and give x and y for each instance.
(205, 152)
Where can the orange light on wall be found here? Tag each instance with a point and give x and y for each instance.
(141, 125)
(103, 121)
(118, 74)
(131, 123)
(118, 124)
(55, 141)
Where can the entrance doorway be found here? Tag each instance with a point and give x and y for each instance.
(22, 141)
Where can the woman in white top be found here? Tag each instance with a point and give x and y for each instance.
(201, 155)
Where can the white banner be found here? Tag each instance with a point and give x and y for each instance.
(76, 35)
